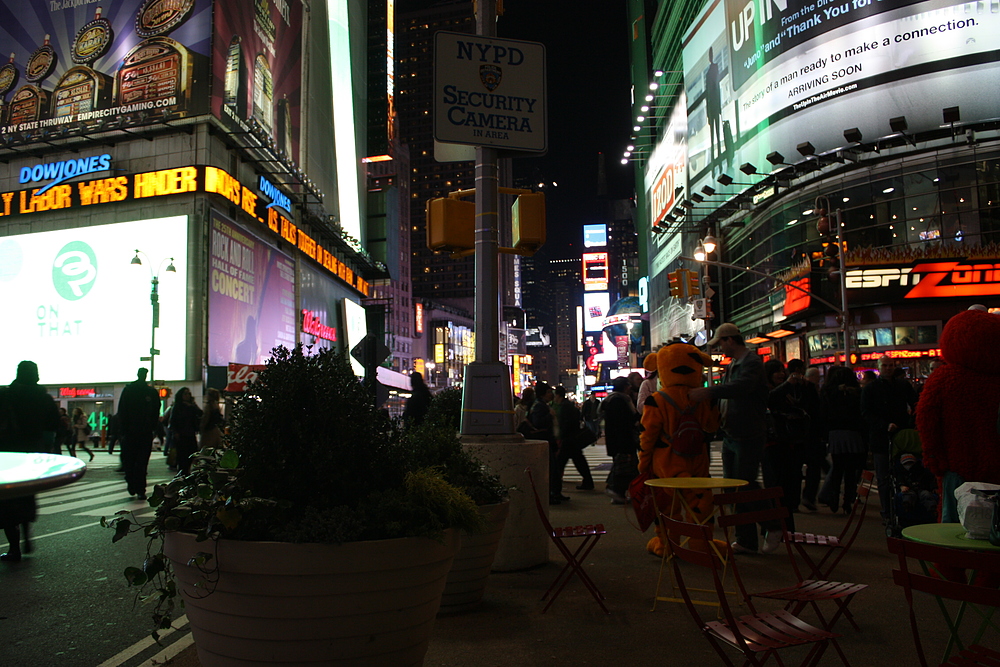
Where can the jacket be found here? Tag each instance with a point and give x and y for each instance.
(744, 398)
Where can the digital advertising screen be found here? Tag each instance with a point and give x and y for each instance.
(251, 296)
(595, 308)
(135, 60)
(595, 236)
(75, 304)
(318, 302)
(815, 69)
(257, 67)
(595, 271)
(355, 327)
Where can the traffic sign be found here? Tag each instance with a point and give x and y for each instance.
(489, 92)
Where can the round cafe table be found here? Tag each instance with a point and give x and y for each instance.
(946, 535)
(27, 474)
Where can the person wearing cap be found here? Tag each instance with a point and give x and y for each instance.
(743, 395)
(916, 485)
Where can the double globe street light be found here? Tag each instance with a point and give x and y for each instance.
(154, 298)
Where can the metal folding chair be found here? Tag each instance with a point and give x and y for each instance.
(938, 565)
(804, 592)
(836, 546)
(757, 635)
(589, 536)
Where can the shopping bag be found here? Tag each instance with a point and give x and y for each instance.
(642, 501)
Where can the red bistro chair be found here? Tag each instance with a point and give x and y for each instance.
(835, 546)
(804, 592)
(757, 635)
(589, 536)
(950, 560)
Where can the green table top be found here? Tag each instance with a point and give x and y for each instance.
(946, 535)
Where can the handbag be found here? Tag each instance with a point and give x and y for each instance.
(642, 501)
(585, 437)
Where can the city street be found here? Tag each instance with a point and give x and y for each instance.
(67, 603)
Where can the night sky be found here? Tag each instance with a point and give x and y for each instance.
(589, 107)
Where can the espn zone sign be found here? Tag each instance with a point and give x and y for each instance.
(932, 279)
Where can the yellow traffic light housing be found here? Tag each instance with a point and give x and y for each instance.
(528, 222)
(693, 284)
(677, 285)
(451, 224)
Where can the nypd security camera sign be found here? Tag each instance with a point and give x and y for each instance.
(489, 92)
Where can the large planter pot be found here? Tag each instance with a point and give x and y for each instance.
(473, 562)
(275, 603)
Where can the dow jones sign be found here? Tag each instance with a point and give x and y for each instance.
(489, 92)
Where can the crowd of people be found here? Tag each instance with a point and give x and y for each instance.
(810, 433)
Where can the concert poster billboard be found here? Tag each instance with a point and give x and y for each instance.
(257, 68)
(113, 64)
(251, 296)
(768, 75)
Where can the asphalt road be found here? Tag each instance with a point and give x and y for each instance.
(67, 603)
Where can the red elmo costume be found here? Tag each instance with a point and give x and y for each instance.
(957, 411)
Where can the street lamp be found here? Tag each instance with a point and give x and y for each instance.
(430, 366)
(154, 299)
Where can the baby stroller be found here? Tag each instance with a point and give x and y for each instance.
(914, 487)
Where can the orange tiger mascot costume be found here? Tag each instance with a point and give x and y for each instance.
(680, 369)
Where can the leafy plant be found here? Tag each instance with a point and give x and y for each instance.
(446, 408)
(308, 458)
(434, 445)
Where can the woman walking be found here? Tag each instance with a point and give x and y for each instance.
(185, 422)
(81, 431)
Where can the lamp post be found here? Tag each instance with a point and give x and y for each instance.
(430, 366)
(154, 299)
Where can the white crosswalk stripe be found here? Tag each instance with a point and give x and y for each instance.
(599, 461)
(109, 496)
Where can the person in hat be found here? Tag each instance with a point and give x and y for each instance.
(916, 484)
(743, 395)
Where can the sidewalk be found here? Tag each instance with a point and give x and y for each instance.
(510, 630)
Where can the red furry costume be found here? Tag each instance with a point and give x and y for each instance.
(957, 412)
(680, 369)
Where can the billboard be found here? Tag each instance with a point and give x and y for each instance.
(595, 308)
(74, 304)
(595, 236)
(595, 271)
(318, 297)
(814, 69)
(130, 62)
(355, 327)
(251, 296)
(257, 68)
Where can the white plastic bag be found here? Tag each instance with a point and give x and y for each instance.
(975, 513)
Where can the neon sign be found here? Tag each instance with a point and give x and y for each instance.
(795, 299)
(944, 279)
(312, 325)
(57, 172)
(277, 197)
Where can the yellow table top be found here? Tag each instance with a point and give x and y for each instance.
(695, 482)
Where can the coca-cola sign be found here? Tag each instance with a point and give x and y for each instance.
(240, 375)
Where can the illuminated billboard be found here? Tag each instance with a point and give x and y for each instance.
(257, 68)
(349, 182)
(73, 302)
(595, 308)
(251, 296)
(595, 271)
(595, 236)
(137, 61)
(814, 70)
(355, 327)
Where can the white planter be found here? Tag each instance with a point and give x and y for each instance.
(274, 603)
(473, 562)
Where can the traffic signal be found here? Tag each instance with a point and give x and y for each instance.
(528, 222)
(822, 222)
(677, 280)
(693, 284)
(451, 224)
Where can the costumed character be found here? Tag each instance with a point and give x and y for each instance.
(680, 367)
(957, 411)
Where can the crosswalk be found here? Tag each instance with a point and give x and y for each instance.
(599, 461)
(94, 499)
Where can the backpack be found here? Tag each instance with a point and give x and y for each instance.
(688, 439)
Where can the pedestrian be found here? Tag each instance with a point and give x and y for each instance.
(542, 418)
(885, 407)
(184, 424)
(621, 438)
(798, 405)
(651, 384)
(780, 463)
(29, 420)
(81, 431)
(570, 442)
(419, 401)
(841, 398)
(212, 420)
(65, 434)
(743, 394)
(139, 417)
(591, 411)
(521, 412)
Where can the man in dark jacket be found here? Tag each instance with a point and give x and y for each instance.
(138, 419)
(570, 447)
(621, 437)
(542, 418)
(886, 404)
(743, 393)
(419, 401)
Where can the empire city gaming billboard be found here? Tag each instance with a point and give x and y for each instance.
(73, 302)
(766, 75)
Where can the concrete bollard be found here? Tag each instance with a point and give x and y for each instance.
(524, 543)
